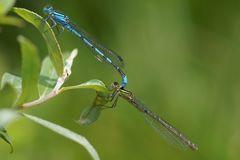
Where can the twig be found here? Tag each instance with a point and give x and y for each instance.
(60, 82)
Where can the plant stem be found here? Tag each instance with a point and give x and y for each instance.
(57, 89)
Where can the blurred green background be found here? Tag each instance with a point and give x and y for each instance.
(182, 59)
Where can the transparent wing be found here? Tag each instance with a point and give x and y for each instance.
(171, 134)
(166, 134)
(116, 59)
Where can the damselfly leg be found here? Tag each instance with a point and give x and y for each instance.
(117, 90)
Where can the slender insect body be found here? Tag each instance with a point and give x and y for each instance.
(102, 52)
(171, 133)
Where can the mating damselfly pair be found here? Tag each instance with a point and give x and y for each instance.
(104, 54)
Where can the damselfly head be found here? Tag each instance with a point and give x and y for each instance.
(113, 86)
(47, 9)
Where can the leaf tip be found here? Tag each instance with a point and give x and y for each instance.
(74, 52)
(20, 38)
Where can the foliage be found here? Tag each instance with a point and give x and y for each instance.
(39, 83)
(5, 6)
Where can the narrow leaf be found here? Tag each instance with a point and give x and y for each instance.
(92, 113)
(66, 133)
(48, 77)
(9, 20)
(6, 117)
(30, 70)
(89, 115)
(47, 33)
(4, 135)
(6, 5)
(8, 96)
(94, 84)
(14, 81)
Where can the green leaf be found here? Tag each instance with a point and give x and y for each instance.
(14, 81)
(49, 36)
(48, 77)
(7, 116)
(9, 20)
(94, 84)
(8, 96)
(4, 135)
(6, 5)
(66, 133)
(92, 113)
(30, 70)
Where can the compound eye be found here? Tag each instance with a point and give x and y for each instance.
(47, 9)
(115, 83)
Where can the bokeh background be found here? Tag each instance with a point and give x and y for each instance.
(182, 59)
